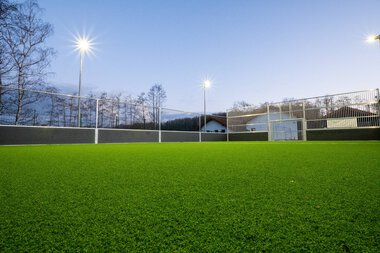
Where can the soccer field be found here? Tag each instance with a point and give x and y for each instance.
(228, 197)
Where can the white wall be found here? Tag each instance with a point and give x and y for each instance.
(260, 123)
(212, 125)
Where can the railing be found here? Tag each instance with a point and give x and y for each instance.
(344, 110)
(44, 108)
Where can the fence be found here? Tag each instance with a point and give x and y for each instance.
(338, 116)
(24, 107)
(291, 119)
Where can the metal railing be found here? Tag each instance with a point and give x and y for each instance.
(338, 111)
(44, 108)
(47, 108)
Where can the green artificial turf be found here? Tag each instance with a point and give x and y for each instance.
(206, 197)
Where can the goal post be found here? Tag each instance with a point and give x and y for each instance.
(287, 130)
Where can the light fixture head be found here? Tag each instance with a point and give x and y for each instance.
(373, 38)
(207, 84)
(83, 44)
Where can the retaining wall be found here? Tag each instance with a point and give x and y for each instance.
(252, 136)
(214, 137)
(343, 134)
(126, 135)
(15, 135)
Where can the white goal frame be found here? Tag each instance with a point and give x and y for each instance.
(287, 130)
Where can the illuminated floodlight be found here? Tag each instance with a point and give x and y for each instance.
(83, 44)
(373, 38)
(206, 84)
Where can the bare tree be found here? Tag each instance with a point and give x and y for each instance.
(89, 110)
(62, 103)
(240, 105)
(53, 99)
(156, 97)
(25, 38)
(115, 110)
(72, 108)
(6, 63)
(5, 8)
(141, 102)
(103, 108)
(127, 109)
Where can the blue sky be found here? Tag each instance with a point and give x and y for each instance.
(255, 51)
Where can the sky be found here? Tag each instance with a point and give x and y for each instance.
(257, 51)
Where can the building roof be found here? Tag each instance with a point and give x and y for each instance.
(347, 111)
(221, 120)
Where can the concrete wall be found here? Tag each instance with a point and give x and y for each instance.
(14, 135)
(252, 136)
(214, 137)
(178, 136)
(314, 135)
(126, 135)
(343, 134)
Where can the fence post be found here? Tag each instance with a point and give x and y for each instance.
(159, 124)
(228, 137)
(96, 121)
(200, 129)
(378, 104)
(303, 109)
(304, 126)
(304, 123)
(269, 128)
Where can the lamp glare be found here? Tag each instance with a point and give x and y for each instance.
(83, 45)
(371, 38)
(207, 83)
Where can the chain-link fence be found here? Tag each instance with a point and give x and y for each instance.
(339, 111)
(44, 108)
(284, 120)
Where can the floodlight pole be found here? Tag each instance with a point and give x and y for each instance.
(228, 137)
(159, 124)
(204, 106)
(96, 121)
(80, 85)
(199, 127)
(378, 101)
(269, 124)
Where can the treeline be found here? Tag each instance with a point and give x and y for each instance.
(24, 63)
(50, 108)
(24, 56)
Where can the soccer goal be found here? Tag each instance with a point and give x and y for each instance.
(287, 130)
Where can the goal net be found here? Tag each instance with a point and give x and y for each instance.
(288, 129)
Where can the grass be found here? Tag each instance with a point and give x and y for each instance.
(206, 197)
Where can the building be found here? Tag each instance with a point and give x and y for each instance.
(348, 117)
(283, 126)
(215, 124)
